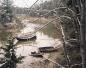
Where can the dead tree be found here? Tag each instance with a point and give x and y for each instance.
(83, 31)
(82, 11)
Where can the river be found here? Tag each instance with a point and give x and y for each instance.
(48, 36)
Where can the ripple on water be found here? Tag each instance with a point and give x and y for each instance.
(25, 49)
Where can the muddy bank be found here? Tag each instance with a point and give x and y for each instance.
(43, 40)
(51, 63)
(48, 36)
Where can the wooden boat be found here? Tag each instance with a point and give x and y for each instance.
(35, 54)
(47, 49)
(27, 36)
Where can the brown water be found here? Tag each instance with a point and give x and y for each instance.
(46, 37)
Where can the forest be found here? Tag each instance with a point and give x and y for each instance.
(47, 34)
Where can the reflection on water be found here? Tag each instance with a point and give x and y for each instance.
(46, 37)
(51, 31)
(43, 39)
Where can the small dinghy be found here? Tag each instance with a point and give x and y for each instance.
(47, 49)
(35, 54)
(26, 36)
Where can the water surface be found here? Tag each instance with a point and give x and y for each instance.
(48, 36)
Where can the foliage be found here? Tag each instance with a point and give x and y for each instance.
(6, 12)
(10, 56)
(72, 31)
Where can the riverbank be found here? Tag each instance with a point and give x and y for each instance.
(48, 36)
(45, 37)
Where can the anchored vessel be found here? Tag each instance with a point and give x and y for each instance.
(47, 49)
(35, 54)
(26, 36)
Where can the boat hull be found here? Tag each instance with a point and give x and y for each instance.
(34, 54)
(37, 55)
(47, 49)
(24, 39)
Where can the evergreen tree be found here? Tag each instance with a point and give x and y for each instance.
(6, 12)
(10, 58)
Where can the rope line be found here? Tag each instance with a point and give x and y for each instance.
(32, 6)
(54, 62)
(49, 11)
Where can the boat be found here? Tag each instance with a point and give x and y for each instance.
(26, 36)
(47, 49)
(35, 54)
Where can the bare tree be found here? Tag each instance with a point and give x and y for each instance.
(83, 31)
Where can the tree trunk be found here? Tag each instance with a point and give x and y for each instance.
(83, 32)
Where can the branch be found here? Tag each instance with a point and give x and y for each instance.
(54, 62)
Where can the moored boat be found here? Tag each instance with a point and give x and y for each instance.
(35, 54)
(47, 49)
(26, 36)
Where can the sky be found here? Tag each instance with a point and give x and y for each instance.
(25, 3)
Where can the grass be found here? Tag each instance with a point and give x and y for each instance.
(38, 20)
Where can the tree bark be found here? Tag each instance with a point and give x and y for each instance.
(83, 32)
